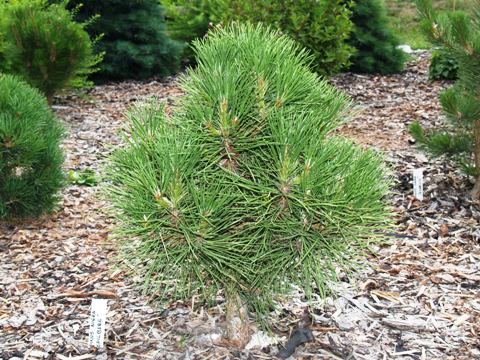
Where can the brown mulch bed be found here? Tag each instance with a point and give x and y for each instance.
(417, 297)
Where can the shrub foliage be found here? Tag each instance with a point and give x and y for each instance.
(44, 46)
(187, 20)
(443, 66)
(242, 189)
(374, 41)
(30, 155)
(321, 26)
(134, 38)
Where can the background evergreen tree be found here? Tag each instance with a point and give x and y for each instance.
(30, 155)
(243, 189)
(134, 38)
(459, 33)
(374, 41)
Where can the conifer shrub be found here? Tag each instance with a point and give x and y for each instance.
(243, 189)
(459, 33)
(321, 26)
(133, 38)
(374, 41)
(30, 154)
(44, 46)
(443, 66)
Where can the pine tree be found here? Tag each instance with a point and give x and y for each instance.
(243, 190)
(374, 41)
(459, 33)
(44, 45)
(134, 38)
(30, 155)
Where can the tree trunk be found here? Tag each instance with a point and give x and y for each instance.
(476, 156)
(238, 332)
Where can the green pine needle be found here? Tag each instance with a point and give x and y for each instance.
(244, 187)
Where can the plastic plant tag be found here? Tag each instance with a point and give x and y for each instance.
(98, 316)
(418, 184)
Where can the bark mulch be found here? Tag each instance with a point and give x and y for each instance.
(416, 297)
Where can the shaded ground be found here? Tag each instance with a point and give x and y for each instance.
(416, 298)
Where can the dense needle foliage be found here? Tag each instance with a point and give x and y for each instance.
(459, 34)
(30, 155)
(373, 39)
(243, 189)
(44, 46)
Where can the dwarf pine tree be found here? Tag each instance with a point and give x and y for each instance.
(30, 155)
(44, 46)
(459, 33)
(243, 189)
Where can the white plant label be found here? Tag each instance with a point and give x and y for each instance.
(418, 184)
(98, 316)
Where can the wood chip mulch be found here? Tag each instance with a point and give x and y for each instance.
(417, 297)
